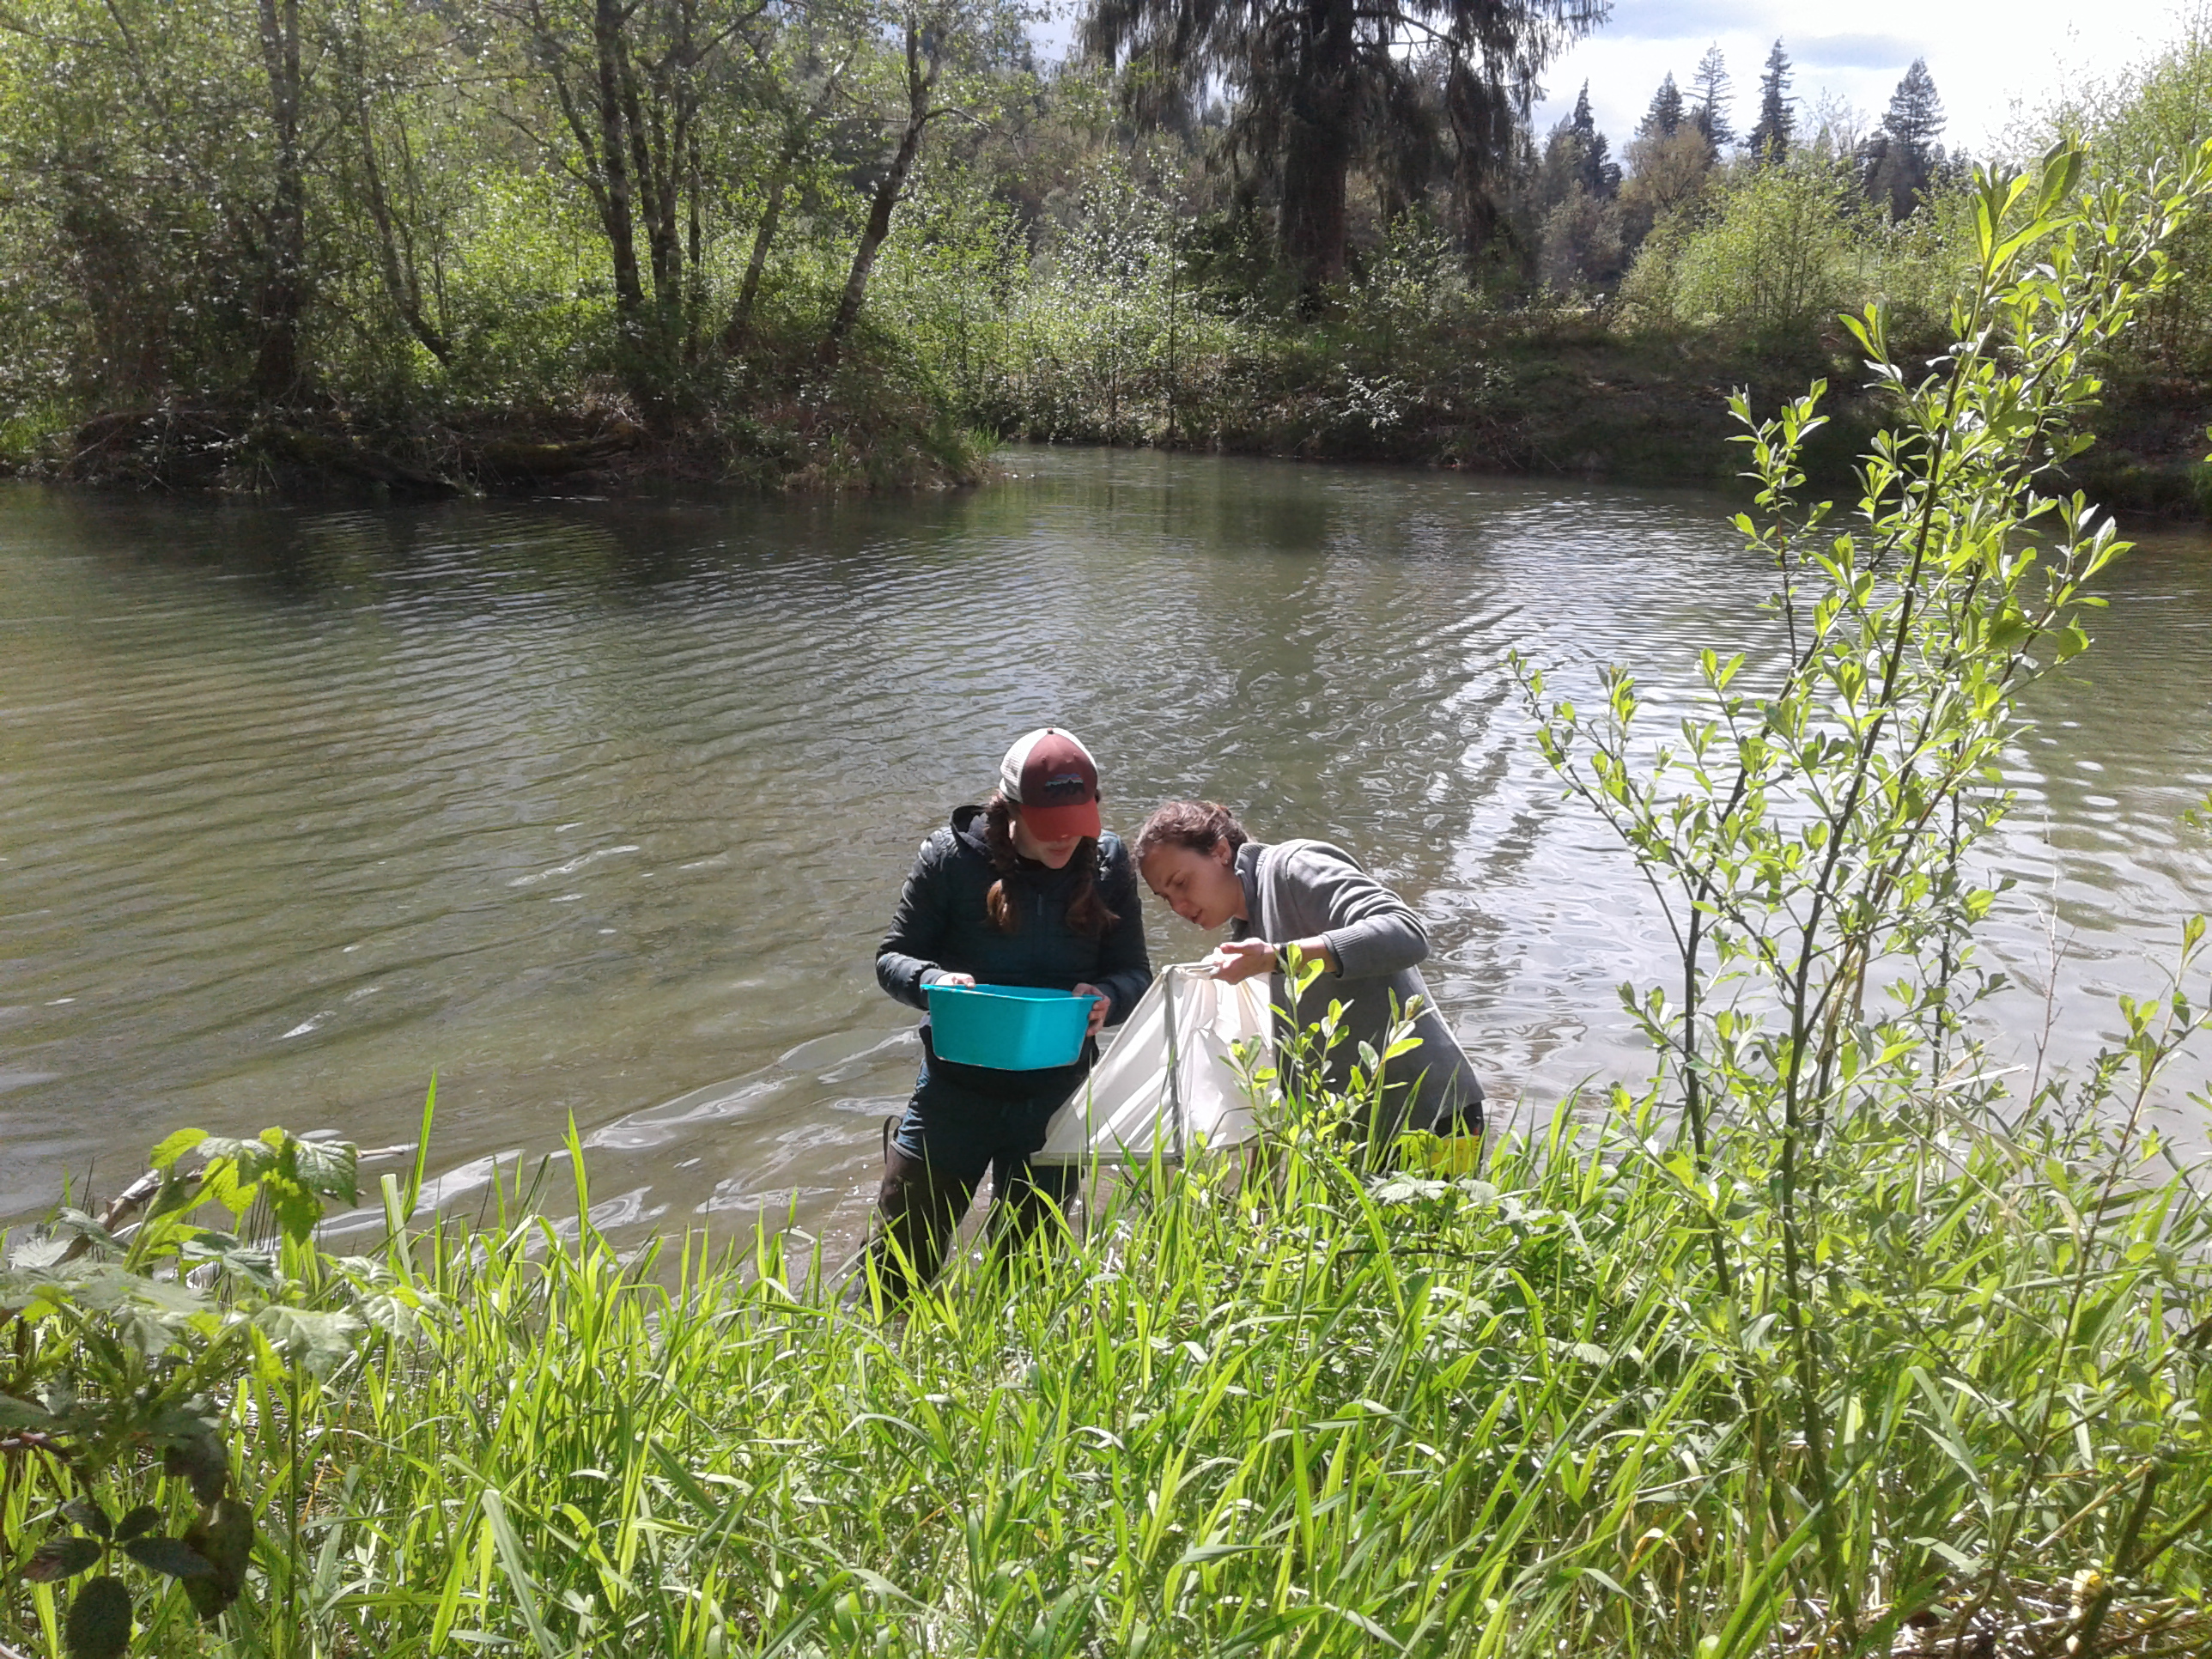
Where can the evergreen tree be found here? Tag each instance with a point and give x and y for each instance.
(1713, 91)
(1664, 118)
(1914, 115)
(1581, 122)
(1597, 174)
(1323, 85)
(1778, 122)
(1902, 161)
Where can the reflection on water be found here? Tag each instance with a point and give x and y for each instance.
(598, 811)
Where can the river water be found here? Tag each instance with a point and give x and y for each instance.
(597, 810)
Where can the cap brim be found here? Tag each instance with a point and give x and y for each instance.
(1056, 823)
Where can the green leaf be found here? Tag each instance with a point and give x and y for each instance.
(83, 1226)
(249, 1160)
(320, 1341)
(88, 1515)
(99, 1621)
(37, 1255)
(176, 1193)
(256, 1267)
(297, 1210)
(171, 1555)
(328, 1168)
(145, 1518)
(193, 1453)
(175, 1146)
(224, 1539)
(22, 1414)
(61, 1558)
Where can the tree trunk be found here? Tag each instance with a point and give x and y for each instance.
(798, 133)
(616, 211)
(919, 86)
(1317, 149)
(741, 319)
(283, 289)
(651, 167)
(397, 265)
(695, 293)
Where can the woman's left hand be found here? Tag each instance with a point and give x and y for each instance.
(1100, 1002)
(1239, 959)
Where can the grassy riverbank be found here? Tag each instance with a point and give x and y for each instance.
(1319, 1412)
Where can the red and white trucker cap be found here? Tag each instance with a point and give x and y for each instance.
(1053, 779)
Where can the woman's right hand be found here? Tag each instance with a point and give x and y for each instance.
(957, 980)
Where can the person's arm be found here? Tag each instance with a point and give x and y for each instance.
(1125, 968)
(1371, 932)
(905, 961)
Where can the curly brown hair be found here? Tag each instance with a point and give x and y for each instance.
(1200, 825)
(1087, 913)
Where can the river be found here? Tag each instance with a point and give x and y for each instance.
(596, 810)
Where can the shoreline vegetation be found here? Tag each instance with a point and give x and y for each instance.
(365, 247)
(1829, 1339)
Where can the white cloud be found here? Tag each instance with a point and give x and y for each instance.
(1988, 56)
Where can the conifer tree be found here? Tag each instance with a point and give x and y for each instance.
(1598, 175)
(1712, 90)
(1902, 161)
(1320, 85)
(1778, 123)
(1914, 115)
(1664, 118)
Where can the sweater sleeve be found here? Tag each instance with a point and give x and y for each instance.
(905, 961)
(1370, 931)
(1125, 967)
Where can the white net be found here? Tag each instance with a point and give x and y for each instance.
(1170, 1083)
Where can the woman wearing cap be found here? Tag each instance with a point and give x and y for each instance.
(1314, 897)
(1025, 889)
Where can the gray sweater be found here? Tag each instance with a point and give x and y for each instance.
(1298, 890)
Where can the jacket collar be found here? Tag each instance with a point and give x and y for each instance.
(967, 825)
(1248, 871)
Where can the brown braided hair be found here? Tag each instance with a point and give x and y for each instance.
(1086, 911)
(1200, 825)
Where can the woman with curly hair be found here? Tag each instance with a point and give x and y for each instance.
(1309, 897)
(1025, 889)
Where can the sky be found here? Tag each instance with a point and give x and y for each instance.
(1986, 55)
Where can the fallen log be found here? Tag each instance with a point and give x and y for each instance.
(515, 459)
(334, 454)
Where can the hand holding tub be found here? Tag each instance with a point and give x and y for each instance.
(1100, 1002)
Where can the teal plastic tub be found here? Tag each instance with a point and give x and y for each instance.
(1011, 1028)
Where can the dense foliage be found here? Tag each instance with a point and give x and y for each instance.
(497, 243)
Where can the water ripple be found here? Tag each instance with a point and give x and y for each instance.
(599, 811)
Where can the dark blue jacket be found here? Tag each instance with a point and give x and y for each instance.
(942, 925)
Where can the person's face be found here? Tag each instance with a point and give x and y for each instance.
(1200, 887)
(1053, 854)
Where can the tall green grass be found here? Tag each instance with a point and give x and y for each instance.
(1314, 1411)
